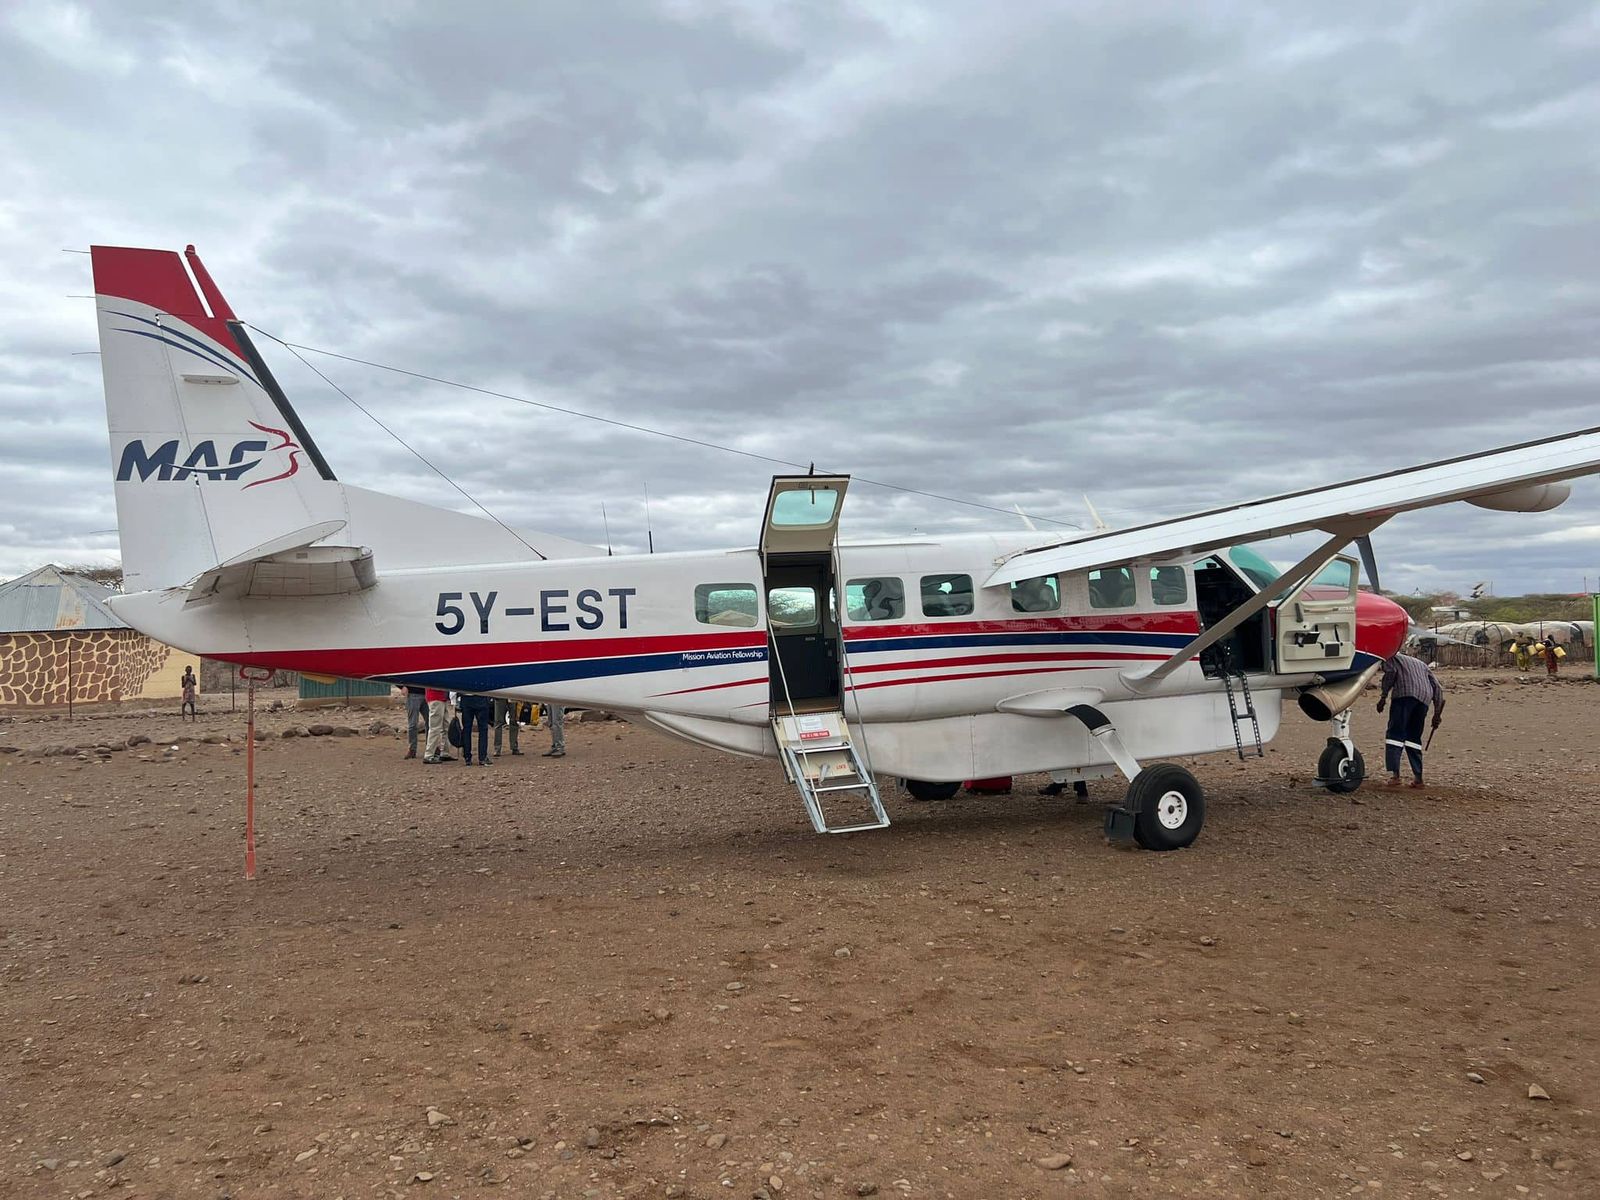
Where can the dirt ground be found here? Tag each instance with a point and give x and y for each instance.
(635, 971)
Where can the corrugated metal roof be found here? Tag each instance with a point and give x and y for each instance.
(52, 599)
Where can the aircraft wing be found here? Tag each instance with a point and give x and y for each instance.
(1510, 478)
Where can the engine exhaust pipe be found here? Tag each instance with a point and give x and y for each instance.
(1327, 701)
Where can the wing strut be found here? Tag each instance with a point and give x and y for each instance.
(1282, 585)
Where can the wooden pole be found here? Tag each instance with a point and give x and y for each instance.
(251, 675)
(250, 788)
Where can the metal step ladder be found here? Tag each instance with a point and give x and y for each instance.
(1249, 711)
(820, 759)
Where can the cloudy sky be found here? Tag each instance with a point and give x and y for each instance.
(1171, 255)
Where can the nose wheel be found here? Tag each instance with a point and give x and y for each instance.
(1339, 769)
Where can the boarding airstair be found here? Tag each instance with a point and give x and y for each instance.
(821, 760)
(1241, 706)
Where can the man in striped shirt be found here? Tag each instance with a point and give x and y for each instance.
(1415, 687)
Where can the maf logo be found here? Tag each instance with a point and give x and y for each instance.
(204, 462)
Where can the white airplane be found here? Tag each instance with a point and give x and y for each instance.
(933, 660)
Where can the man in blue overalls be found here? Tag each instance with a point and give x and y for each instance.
(1415, 687)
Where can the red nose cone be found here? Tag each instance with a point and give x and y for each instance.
(1381, 625)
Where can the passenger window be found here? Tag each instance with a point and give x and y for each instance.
(946, 595)
(1036, 595)
(1111, 587)
(875, 599)
(1169, 585)
(726, 604)
(792, 607)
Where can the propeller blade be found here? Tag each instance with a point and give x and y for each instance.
(1369, 561)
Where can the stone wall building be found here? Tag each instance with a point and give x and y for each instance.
(60, 643)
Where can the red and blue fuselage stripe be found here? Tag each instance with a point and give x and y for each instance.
(489, 667)
(864, 645)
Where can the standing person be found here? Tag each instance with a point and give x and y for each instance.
(505, 713)
(1553, 654)
(191, 686)
(416, 717)
(1522, 651)
(434, 750)
(1415, 687)
(558, 731)
(475, 712)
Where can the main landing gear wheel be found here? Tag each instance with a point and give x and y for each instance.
(922, 790)
(1340, 771)
(1168, 807)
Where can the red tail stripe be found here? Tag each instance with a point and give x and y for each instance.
(157, 278)
(213, 294)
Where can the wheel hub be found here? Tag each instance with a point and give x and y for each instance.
(1172, 810)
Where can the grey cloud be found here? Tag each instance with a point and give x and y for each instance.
(1171, 256)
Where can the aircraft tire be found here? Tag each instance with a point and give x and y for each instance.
(1169, 807)
(921, 789)
(1339, 772)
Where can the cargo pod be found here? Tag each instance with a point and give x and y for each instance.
(806, 650)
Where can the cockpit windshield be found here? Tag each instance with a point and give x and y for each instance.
(1253, 566)
(1259, 571)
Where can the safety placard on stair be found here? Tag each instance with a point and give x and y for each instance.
(811, 727)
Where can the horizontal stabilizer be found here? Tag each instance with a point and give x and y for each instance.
(296, 540)
(1361, 504)
(295, 573)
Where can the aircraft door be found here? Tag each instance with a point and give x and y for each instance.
(1314, 626)
(803, 514)
(805, 634)
(1219, 589)
(797, 554)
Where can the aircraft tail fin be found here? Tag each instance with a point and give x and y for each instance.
(209, 457)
